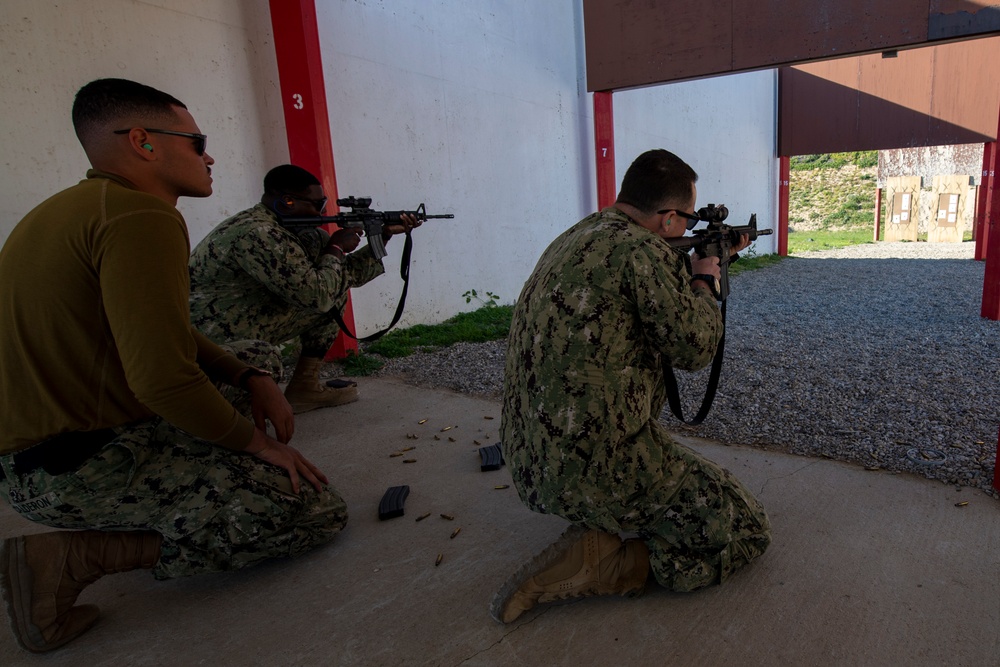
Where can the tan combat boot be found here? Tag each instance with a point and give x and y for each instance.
(304, 392)
(42, 575)
(581, 563)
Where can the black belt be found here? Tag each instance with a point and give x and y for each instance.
(61, 453)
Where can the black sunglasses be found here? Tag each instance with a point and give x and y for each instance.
(200, 140)
(692, 219)
(318, 204)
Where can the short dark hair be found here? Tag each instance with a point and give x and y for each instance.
(288, 178)
(655, 178)
(109, 101)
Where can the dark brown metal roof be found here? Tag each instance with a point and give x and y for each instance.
(631, 43)
(933, 96)
(942, 87)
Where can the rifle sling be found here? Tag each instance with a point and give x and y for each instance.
(404, 273)
(673, 395)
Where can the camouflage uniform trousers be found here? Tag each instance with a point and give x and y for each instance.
(216, 509)
(316, 331)
(698, 521)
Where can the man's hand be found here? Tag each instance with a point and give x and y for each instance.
(744, 242)
(268, 403)
(344, 240)
(705, 265)
(409, 222)
(285, 456)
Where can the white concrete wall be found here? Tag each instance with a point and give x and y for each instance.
(475, 107)
(216, 56)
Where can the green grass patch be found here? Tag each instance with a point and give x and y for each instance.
(478, 326)
(826, 240)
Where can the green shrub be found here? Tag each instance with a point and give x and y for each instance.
(855, 210)
(862, 159)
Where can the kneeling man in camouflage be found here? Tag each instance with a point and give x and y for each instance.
(609, 304)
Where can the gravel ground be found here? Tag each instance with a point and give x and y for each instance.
(873, 354)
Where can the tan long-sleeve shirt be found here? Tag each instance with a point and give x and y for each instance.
(94, 325)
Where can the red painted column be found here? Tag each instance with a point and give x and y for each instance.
(604, 145)
(878, 214)
(303, 98)
(784, 173)
(991, 281)
(996, 466)
(983, 196)
(991, 243)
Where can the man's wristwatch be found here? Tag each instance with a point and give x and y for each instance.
(712, 282)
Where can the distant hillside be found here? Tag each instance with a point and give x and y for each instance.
(835, 191)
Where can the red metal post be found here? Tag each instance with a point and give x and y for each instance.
(991, 280)
(784, 171)
(996, 466)
(303, 98)
(604, 145)
(991, 242)
(983, 196)
(878, 213)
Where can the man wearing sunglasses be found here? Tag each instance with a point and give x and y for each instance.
(608, 305)
(251, 278)
(113, 423)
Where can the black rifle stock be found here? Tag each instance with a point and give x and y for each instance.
(361, 216)
(718, 240)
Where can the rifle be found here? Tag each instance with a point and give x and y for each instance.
(361, 216)
(716, 240)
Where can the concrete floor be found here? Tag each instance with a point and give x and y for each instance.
(866, 568)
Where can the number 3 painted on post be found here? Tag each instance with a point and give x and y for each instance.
(298, 101)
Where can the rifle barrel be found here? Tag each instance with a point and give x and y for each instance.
(351, 216)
